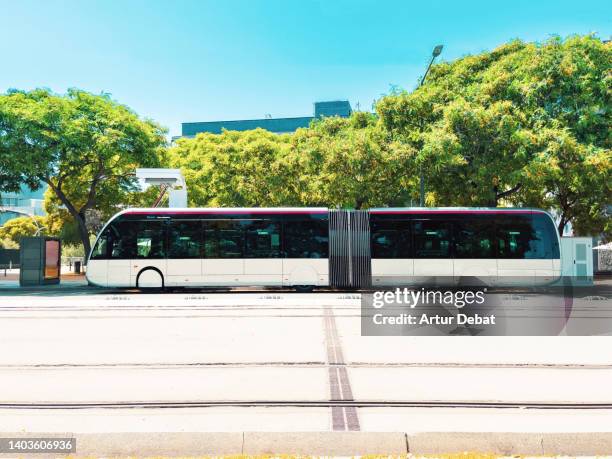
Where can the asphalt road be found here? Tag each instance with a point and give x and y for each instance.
(271, 361)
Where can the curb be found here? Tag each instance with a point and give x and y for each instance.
(512, 443)
(332, 443)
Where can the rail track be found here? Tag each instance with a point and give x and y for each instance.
(306, 404)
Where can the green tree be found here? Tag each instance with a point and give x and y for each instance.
(576, 181)
(61, 223)
(16, 228)
(8, 244)
(235, 168)
(348, 162)
(492, 122)
(84, 146)
(475, 154)
(335, 162)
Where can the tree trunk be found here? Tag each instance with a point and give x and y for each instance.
(497, 195)
(79, 216)
(562, 223)
(84, 235)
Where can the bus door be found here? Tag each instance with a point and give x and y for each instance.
(432, 252)
(391, 251)
(262, 259)
(223, 263)
(474, 257)
(185, 246)
(120, 242)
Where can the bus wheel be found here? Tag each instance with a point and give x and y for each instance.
(150, 279)
(303, 288)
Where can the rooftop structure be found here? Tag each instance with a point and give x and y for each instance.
(277, 125)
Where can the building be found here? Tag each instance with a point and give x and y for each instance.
(277, 125)
(26, 202)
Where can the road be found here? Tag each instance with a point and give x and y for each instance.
(267, 361)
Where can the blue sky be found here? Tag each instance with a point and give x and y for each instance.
(203, 60)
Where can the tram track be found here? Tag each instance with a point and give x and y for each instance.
(304, 364)
(306, 404)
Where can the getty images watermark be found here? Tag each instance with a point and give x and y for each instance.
(482, 311)
(410, 299)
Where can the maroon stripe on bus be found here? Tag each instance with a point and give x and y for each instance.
(454, 211)
(223, 212)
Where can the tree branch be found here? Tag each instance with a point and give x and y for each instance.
(503, 194)
(91, 196)
(62, 197)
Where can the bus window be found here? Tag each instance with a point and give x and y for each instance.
(473, 238)
(150, 239)
(390, 239)
(547, 234)
(517, 237)
(431, 239)
(100, 250)
(305, 239)
(184, 239)
(262, 239)
(121, 240)
(223, 239)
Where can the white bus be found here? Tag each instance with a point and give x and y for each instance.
(305, 248)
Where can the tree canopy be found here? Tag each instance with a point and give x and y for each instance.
(234, 168)
(337, 162)
(525, 124)
(84, 146)
(25, 226)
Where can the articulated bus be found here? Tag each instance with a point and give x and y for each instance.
(304, 248)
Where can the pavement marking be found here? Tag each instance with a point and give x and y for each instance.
(343, 417)
(302, 364)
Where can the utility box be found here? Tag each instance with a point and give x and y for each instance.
(577, 260)
(39, 259)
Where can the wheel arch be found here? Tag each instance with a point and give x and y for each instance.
(151, 268)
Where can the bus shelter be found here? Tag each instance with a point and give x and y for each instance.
(40, 259)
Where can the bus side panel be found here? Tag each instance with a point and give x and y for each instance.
(392, 271)
(263, 271)
(517, 271)
(184, 272)
(97, 272)
(484, 269)
(305, 271)
(119, 273)
(223, 271)
(556, 268)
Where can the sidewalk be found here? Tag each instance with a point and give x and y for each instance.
(332, 443)
(69, 283)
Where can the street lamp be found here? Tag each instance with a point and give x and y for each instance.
(435, 53)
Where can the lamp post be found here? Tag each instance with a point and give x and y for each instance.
(436, 52)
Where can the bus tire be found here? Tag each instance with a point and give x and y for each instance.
(150, 280)
(304, 288)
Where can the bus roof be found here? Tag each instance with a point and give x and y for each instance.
(224, 210)
(454, 210)
(319, 210)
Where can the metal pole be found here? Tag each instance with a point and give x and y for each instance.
(433, 56)
(436, 52)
